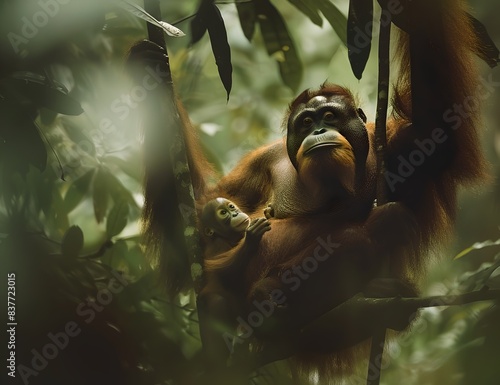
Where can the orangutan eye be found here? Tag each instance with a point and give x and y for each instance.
(307, 121)
(328, 116)
(231, 206)
(222, 213)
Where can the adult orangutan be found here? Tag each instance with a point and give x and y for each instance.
(328, 242)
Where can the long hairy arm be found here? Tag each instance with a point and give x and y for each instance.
(433, 140)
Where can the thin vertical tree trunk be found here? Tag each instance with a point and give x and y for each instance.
(170, 120)
(378, 340)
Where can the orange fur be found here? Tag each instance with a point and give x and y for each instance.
(339, 162)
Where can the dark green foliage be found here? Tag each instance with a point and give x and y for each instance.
(39, 91)
(309, 9)
(21, 95)
(488, 51)
(72, 242)
(336, 18)
(67, 241)
(117, 219)
(208, 18)
(78, 190)
(248, 18)
(220, 47)
(359, 23)
(278, 43)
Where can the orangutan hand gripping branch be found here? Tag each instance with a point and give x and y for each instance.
(327, 241)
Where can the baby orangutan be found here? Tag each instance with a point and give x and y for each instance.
(230, 240)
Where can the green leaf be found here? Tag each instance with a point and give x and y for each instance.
(477, 246)
(40, 187)
(77, 190)
(199, 24)
(34, 147)
(115, 255)
(118, 192)
(131, 166)
(308, 9)
(43, 92)
(137, 11)
(248, 18)
(136, 261)
(464, 252)
(401, 16)
(101, 194)
(359, 34)
(336, 18)
(47, 117)
(220, 48)
(78, 135)
(279, 44)
(59, 214)
(72, 242)
(478, 279)
(21, 144)
(117, 219)
(208, 18)
(486, 50)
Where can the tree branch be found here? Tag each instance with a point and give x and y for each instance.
(394, 313)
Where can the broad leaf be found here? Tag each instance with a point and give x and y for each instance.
(487, 49)
(21, 144)
(79, 136)
(336, 18)
(248, 18)
(477, 246)
(131, 167)
(309, 9)
(78, 190)
(42, 92)
(220, 48)
(101, 194)
(59, 215)
(199, 24)
(114, 256)
(135, 10)
(117, 219)
(118, 192)
(72, 242)
(136, 262)
(359, 34)
(208, 18)
(480, 278)
(400, 13)
(279, 43)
